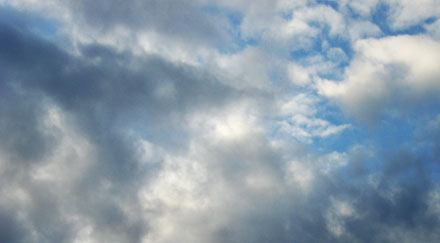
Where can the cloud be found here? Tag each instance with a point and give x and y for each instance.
(364, 8)
(225, 121)
(384, 71)
(404, 14)
(301, 119)
(363, 29)
(68, 128)
(298, 75)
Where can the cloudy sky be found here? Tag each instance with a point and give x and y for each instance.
(163, 121)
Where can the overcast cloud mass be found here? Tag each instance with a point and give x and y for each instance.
(219, 121)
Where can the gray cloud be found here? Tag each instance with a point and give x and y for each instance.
(178, 19)
(104, 145)
(103, 100)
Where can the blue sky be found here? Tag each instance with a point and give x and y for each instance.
(219, 121)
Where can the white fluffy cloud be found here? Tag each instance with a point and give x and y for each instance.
(407, 13)
(402, 67)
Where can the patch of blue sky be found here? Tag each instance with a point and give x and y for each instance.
(322, 42)
(46, 27)
(336, 74)
(42, 26)
(396, 136)
(391, 134)
(315, 48)
(434, 167)
(380, 17)
(427, 150)
(340, 142)
(345, 139)
(299, 54)
(394, 133)
(343, 43)
(430, 20)
(235, 19)
(332, 4)
(340, 63)
(351, 13)
(336, 41)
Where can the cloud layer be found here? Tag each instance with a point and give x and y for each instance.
(219, 121)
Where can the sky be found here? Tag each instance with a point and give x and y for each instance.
(219, 121)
